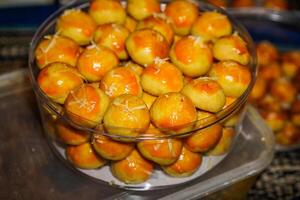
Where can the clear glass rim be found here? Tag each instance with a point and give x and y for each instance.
(205, 122)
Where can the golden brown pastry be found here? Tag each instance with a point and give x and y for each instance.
(111, 149)
(187, 164)
(182, 15)
(56, 49)
(127, 115)
(56, 80)
(174, 113)
(83, 156)
(77, 25)
(86, 105)
(134, 169)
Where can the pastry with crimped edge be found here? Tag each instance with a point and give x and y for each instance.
(77, 25)
(211, 25)
(182, 14)
(127, 115)
(111, 149)
(205, 93)
(161, 77)
(83, 156)
(56, 80)
(86, 105)
(56, 48)
(134, 169)
(192, 56)
(113, 36)
(141, 9)
(121, 80)
(95, 61)
(174, 113)
(233, 77)
(187, 164)
(145, 45)
(107, 11)
(231, 47)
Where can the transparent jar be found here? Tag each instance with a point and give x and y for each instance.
(58, 125)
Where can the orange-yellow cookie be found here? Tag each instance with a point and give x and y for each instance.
(275, 120)
(289, 135)
(192, 56)
(204, 118)
(284, 90)
(234, 78)
(111, 149)
(107, 11)
(127, 115)
(224, 143)
(161, 77)
(204, 139)
(187, 164)
(266, 53)
(56, 49)
(290, 69)
(95, 61)
(141, 9)
(270, 71)
(268, 102)
(259, 89)
(182, 14)
(211, 25)
(133, 169)
(86, 105)
(205, 93)
(231, 47)
(159, 23)
(83, 156)
(112, 36)
(121, 80)
(71, 136)
(57, 80)
(160, 151)
(77, 25)
(174, 113)
(145, 45)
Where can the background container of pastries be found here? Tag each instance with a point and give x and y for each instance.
(137, 86)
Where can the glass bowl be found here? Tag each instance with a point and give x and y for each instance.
(53, 114)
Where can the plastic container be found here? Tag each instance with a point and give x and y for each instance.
(53, 113)
(278, 27)
(50, 179)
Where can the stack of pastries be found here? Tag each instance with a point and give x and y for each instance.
(140, 70)
(276, 92)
